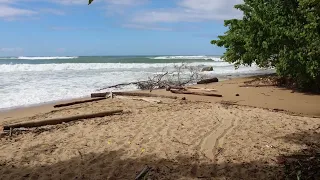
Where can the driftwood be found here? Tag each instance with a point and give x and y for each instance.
(132, 94)
(143, 173)
(78, 102)
(143, 94)
(175, 87)
(59, 120)
(199, 88)
(207, 81)
(189, 88)
(195, 93)
(141, 99)
(104, 94)
(122, 84)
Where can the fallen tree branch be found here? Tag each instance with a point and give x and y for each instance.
(122, 84)
(199, 88)
(60, 120)
(132, 94)
(78, 102)
(195, 93)
(104, 94)
(141, 99)
(207, 81)
(143, 94)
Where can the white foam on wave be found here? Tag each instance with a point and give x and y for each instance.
(95, 66)
(46, 58)
(214, 58)
(27, 84)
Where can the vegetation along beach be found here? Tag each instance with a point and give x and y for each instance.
(84, 107)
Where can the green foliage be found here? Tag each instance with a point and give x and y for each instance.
(280, 34)
(90, 1)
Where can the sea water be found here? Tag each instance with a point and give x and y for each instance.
(27, 81)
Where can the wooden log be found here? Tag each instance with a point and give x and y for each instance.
(60, 120)
(141, 99)
(207, 81)
(195, 93)
(78, 102)
(104, 94)
(143, 94)
(177, 87)
(132, 94)
(199, 88)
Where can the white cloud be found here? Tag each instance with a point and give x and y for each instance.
(110, 2)
(52, 11)
(70, 2)
(10, 49)
(67, 28)
(7, 12)
(126, 2)
(191, 11)
(146, 27)
(209, 5)
(61, 50)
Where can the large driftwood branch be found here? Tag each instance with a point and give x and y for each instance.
(95, 95)
(122, 84)
(199, 88)
(189, 88)
(78, 102)
(132, 94)
(207, 81)
(195, 93)
(59, 120)
(141, 99)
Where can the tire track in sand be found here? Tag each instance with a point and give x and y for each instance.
(212, 143)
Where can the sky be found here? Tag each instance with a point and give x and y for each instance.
(113, 27)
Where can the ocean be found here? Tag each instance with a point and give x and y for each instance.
(28, 81)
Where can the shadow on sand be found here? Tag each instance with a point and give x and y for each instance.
(111, 165)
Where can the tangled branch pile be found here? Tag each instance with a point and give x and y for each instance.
(179, 75)
(176, 76)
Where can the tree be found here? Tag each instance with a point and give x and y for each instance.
(280, 34)
(90, 1)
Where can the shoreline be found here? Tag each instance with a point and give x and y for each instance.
(271, 97)
(177, 139)
(221, 79)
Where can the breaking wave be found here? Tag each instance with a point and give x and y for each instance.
(189, 57)
(46, 58)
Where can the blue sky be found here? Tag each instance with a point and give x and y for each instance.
(112, 27)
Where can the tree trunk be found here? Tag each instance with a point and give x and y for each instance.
(195, 93)
(78, 102)
(207, 81)
(132, 94)
(59, 120)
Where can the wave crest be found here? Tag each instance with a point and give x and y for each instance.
(46, 58)
(96, 66)
(214, 58)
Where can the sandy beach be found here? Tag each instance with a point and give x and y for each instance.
(233, 137)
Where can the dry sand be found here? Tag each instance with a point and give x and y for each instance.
(177, 139)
